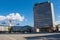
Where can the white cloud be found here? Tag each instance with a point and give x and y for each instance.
(57, 22)
(13, 16)
(19, 17)
(2, 17)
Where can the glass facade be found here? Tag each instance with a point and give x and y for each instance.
(43, 15)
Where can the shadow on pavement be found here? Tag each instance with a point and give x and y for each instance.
(47, 37)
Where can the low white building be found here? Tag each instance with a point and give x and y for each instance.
(58, 27)
(3, 28)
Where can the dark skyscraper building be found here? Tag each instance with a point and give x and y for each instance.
(44, 16)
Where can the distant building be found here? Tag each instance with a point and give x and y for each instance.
(4, 28)
(58, 27)
(21, 28)
(44, 16)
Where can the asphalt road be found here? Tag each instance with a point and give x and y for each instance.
(40, 36)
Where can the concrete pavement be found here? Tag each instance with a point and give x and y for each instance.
(42, 36)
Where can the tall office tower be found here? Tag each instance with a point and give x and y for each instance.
(44, 16)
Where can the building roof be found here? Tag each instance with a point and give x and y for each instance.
(18, 28)
(42, 3)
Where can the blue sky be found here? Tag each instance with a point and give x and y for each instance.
(25, 8)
